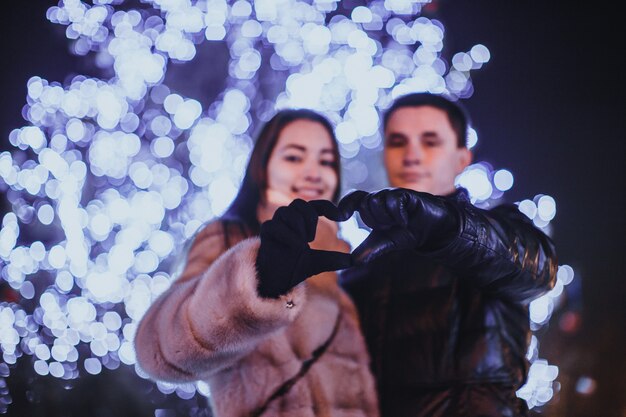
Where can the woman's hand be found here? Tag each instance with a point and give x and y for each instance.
(285, 258)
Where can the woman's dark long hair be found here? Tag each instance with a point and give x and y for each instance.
(244, 206)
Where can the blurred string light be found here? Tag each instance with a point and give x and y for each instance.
(111, 173)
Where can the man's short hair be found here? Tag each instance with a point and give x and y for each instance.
(457, 115)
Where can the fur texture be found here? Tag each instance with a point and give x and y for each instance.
(211, 325)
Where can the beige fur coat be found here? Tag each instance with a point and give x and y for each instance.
(211, 325)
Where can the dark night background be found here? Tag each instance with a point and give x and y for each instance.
(548, 107)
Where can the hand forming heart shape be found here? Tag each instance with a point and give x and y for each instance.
(389, 225)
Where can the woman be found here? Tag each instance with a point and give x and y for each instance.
(237, 318)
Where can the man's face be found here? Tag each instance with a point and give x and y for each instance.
(421, 151)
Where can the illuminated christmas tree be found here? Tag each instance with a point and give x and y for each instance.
(111, 174)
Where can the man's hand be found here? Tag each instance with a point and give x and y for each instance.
(285, 258)
(401, 219)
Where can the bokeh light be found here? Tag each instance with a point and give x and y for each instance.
(111, 173)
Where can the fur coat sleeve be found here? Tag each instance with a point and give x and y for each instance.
(211, 316)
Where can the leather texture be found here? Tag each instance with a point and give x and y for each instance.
(447, 324)
(400, 219)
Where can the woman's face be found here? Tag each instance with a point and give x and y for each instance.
(302, 164)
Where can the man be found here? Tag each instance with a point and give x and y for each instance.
(443, 287)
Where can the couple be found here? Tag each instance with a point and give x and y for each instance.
(431, 318)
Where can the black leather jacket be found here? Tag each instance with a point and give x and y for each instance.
(448, 331)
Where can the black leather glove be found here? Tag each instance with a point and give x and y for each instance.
(401, 219)
(285, 258)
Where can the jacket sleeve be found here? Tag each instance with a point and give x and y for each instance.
(206, 322)
(502, 252)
